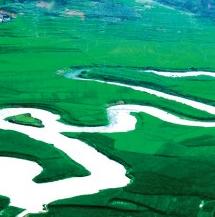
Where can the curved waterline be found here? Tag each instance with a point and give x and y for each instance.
(181, 74)
(105, 173)
(17, 183)
(194, 104)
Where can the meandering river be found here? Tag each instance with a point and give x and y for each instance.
(16, 181)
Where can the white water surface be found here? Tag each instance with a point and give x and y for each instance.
(17, 174)
(192, 103)
(181, 74)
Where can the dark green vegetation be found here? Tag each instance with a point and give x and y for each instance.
(10, 211)
(56, 164)
(117, 203)
(39, 52)
(141, 77)
(4, 202)
(182, 141)
(25, 119)
(172, 166)
(170, 171)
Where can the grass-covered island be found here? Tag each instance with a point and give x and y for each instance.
(25, 119)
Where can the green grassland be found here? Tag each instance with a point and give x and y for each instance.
(32, 56)
(140, 77)
(169, 170)
(25, 119)
(4, 202)
(172, 167)
(55, 163)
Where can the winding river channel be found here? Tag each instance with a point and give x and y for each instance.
(16, 179)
